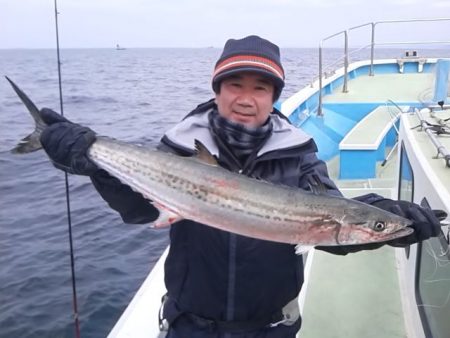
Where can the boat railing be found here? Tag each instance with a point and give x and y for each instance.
(373, 43)
(330, 68)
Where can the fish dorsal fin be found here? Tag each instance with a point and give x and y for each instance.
(316, 185)
(203, 154)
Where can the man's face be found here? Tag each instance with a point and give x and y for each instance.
(246, 98)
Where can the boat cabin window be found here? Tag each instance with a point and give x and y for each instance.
(432, 269)
(433, 286)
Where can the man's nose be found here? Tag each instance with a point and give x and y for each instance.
(245, 98)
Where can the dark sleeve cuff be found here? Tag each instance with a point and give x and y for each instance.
(369, 198)
(346, 249)
(131, 205)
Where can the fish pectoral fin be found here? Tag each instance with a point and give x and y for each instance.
(316, 185)
(300, 249)
(203, 154)
(166, 217)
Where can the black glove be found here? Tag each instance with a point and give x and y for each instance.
(426, 223)
(343, 250)
(66, 144)
(132, 206)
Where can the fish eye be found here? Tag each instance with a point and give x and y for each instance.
(379, 226)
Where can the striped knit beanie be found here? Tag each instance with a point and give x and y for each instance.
(251, 54)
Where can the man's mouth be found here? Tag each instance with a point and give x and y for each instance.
(243, 113)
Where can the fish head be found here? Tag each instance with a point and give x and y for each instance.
(368, 224)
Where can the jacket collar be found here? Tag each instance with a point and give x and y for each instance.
(196, 126)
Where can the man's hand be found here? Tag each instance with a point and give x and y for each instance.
(66, 144)
(426, 223)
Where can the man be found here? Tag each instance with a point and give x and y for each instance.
(221, 284)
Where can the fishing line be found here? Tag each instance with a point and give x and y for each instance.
(439, 263)
(69, 219)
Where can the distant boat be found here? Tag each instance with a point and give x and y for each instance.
(119, 48)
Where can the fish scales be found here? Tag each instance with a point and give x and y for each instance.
(217, 197)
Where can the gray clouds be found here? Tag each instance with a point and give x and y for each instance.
(195, 23)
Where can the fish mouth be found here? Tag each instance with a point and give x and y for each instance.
(398, 234)
(365, 236)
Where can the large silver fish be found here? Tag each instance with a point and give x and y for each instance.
(195, 188)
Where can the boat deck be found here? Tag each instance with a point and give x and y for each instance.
(383, 87)
(353, 296)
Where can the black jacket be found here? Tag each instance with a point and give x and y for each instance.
(213, 273)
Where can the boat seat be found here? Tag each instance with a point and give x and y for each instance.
(366, 143)
(420, 62)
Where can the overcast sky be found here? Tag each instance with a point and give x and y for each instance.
(203, 23)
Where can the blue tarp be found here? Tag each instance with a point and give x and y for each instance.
(442, 78)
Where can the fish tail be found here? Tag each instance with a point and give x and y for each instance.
(31, 142)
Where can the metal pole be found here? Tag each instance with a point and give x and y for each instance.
(372, 50)
(319, 109)
(439, 147)
(345, 88)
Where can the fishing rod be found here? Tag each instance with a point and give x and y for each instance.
(69, 219)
